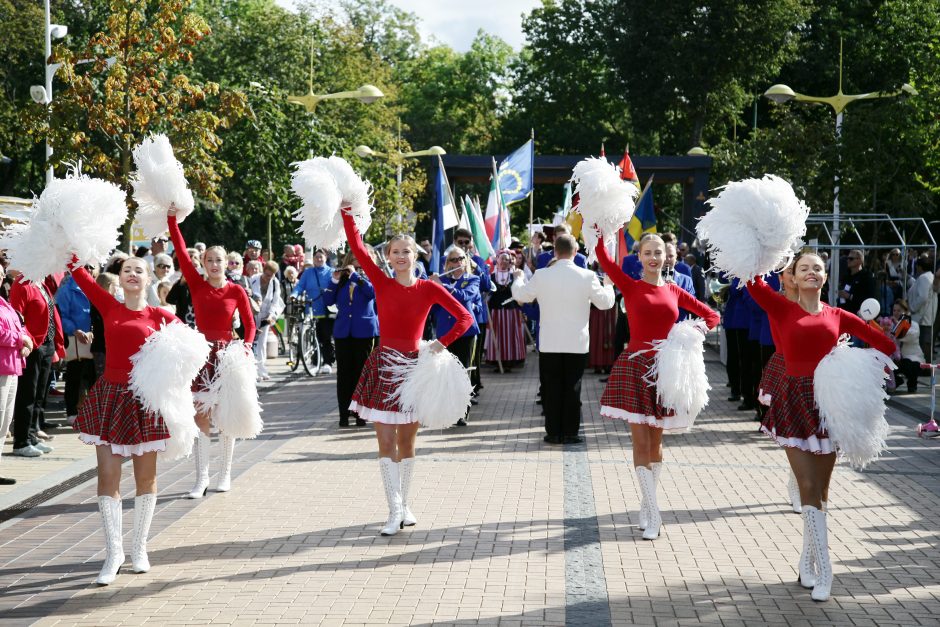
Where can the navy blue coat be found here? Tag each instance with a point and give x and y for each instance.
(466, 290)
(355, 315)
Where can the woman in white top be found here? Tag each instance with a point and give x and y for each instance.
(908, 340)
(267, 289)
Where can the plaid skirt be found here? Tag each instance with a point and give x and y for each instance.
(371, 398)
(793, 419)
(204, 379)
(630, 398)
(769, 385)
(112, 415)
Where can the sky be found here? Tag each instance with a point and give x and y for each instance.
(455, 22)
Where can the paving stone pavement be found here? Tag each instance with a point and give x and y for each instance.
(511, 531)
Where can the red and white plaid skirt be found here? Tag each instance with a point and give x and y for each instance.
(793, 419)
(204, 379)
(112, 415)
(628, 397)
(769, 387)
(371, 398)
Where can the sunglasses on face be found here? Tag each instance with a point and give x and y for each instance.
(463, 242)
(163, 266)
(455, 259)
(234, 263)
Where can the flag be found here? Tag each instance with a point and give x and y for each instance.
(515, 173)
(476, 227)
(566, 203)
(574, 219)
(497, 217)
(643, 220)
(628, 173)
(444, 218)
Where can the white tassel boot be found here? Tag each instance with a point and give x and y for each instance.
(648, 487)
(657, 468)
(392, 481)
(201, 455)
(111, 513)
(227, 444)
(144, 505)
(816, 520)
(406, 469)
(794, 490)
(807, 557)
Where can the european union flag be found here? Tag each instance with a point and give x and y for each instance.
(515, 173)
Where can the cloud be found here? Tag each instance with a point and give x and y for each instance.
(456, 23)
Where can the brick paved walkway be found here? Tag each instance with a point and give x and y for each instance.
(511, 531)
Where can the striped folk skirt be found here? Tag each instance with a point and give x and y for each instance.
(603, 330)
(505, 339)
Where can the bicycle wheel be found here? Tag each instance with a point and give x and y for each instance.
(293, 346)
(310, 349)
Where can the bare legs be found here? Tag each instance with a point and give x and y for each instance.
(109, 472)
(397, 442)
(647, 444)
(813, 473)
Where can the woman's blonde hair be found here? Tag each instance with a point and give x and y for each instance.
(106, 280)
(232, 256)
(410, 241)
(466, 257)
(651, 237)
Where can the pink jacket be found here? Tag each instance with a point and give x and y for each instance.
(11, 340)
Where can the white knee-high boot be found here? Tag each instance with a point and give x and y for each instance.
(201, 456)
(227, 444)
(657, 468)
(794, 491)
(807, 557)
(144, 505)
(111, 514)
(392, 482)
(648, 487)
(406, 470)
(817, 526)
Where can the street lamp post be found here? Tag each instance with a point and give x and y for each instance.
(782, 93)
(367, 153)
(43, 94)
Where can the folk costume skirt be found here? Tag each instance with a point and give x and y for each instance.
(603, 331)
(371, 400)
(506, 338)
(112, 416)
(630, 398)
(793, 420)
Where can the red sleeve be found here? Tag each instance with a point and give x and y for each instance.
(244, 312)
(99, 297)
(358, 249)
(852, 324)
(697, 307)
(442, 297)
(774, 303)
(182, 255)
(616, 274)
(21, 300)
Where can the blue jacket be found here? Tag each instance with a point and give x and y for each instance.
(466, 290)
(355, 315)
(682, 267)
(74, 308)
(737, 316)
(759, 328)
(482, 314)
(632, 267)
(544, 258)
(685, 282)
(313, 281)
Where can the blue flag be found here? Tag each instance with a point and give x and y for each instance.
(437, 238)
(643, 220)
(515, 173)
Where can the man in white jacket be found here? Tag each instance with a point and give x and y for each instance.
(923, 302)
(565, 294)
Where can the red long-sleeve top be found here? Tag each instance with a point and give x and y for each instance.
(214, 306)
(651, 309)
(125, 330)
(403, 310)
(806, 338)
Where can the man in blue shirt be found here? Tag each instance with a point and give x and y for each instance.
(313, 281)
(546, 257)
(683, 281)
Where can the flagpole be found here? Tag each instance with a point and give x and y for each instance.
(500, 205)
(532, 192)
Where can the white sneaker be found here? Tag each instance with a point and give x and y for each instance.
(27, 451)
(43, 447)
(325, 369)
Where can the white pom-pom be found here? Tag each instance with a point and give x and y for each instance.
(327, 185)
(162, 374)
(678, 370)
(849, 388)
(752, 226)
(434, 387)
(232, 395)
(76, 215)
(159, 181)
(606, 201)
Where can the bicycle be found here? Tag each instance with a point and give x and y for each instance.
(303, 347)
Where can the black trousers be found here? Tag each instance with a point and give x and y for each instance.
(351, 356)
(926, 342)
(464, 349)
(325, 338)
(477, 358)
(560, 378)
(733, 365)
(80, 375)
(911, 370)
(31, 391)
